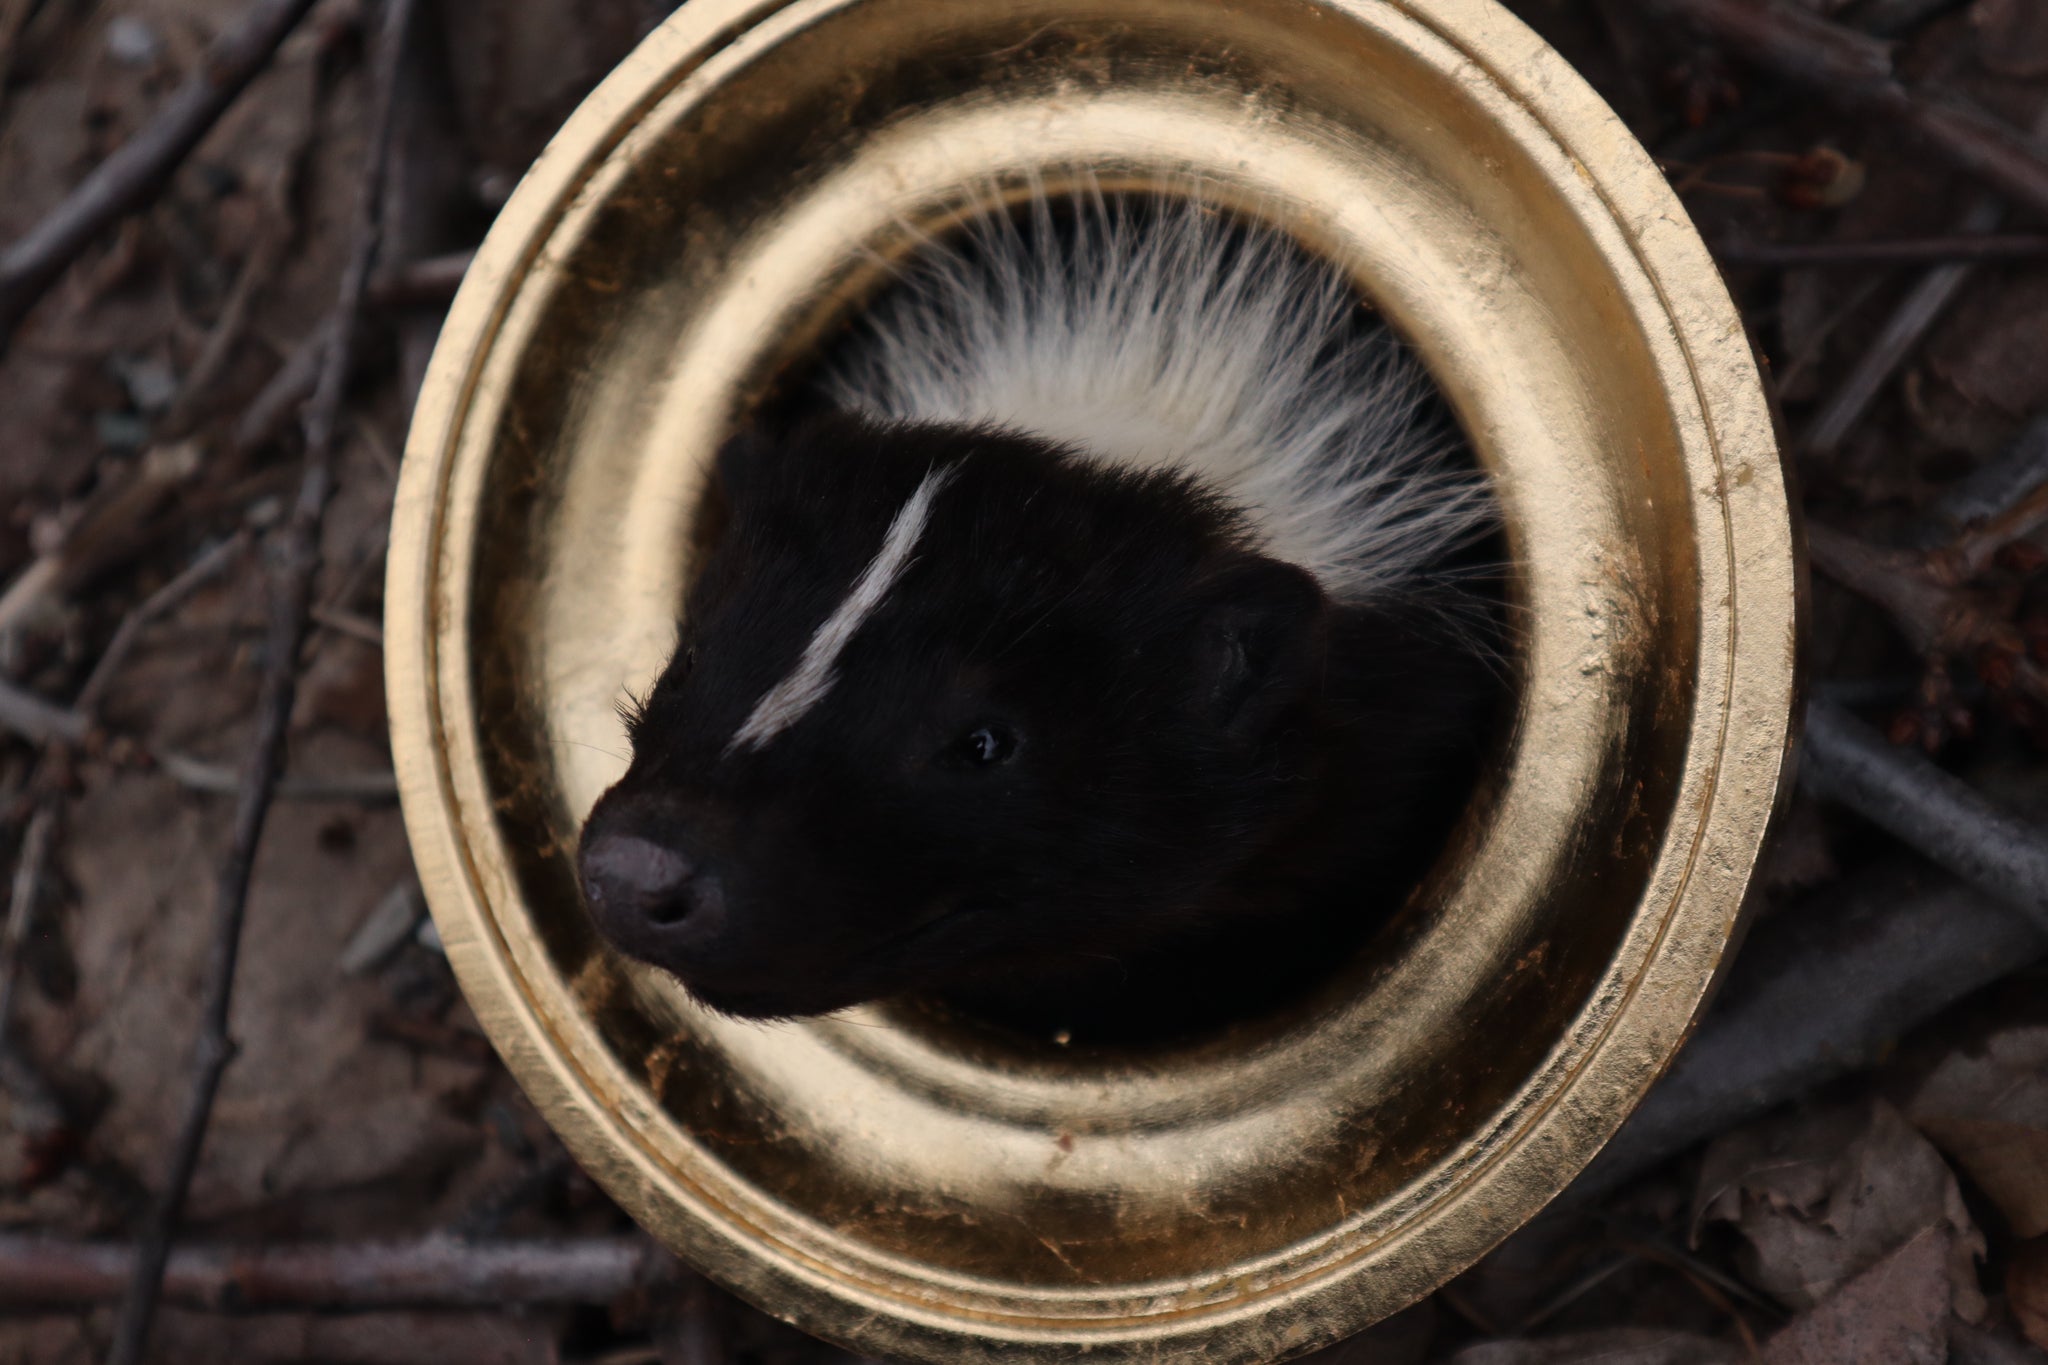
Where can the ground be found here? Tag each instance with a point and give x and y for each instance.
(1891, 1203)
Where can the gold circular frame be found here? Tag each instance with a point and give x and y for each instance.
(724, 201)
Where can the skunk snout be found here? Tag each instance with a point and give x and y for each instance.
(650, 899)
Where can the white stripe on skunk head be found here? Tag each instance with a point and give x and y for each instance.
(785, 703)
(1099, 657)
(1176, 337)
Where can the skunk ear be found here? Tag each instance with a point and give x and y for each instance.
(742, 461)
(1259, 644)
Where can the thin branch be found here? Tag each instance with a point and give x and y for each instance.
(1922, 608)
(1820, 991)
(297, 556)
(1955, 247)
(128, 179)
(1578, 1289)
(350, 624)
(1928, 595)
(26, 891)
(430, 281)
(221, 338)
(112, 528)
(219, 780)
(166, 599)
(39, 721)
(45, 722)
(1895, 18)
(1923, 304)
(437, 1271)
(15, 16)
(1902, 792)
(1856, 71)
(1992, 491)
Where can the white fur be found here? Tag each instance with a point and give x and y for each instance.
(784, 704)
(1180, 340)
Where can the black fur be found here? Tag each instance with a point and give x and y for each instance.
(1095, 762)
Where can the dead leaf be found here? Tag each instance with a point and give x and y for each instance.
(1982, 347)
(2026, 1289)
(1824, 1194)
(1896, 1311)
(1987, 1108)
(2002, 1345)
(1618, 1346)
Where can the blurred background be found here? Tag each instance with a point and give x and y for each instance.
(228, 231)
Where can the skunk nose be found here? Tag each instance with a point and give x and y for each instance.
(647, 898)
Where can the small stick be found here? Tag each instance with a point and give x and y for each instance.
(1921, 606)
(1955, 247)
(1576, 1290)
(437, 1271)
(39, 721)
(1455, 1299)
(1677, 1259)
(1895, 18)
(271, 410)
(219, 780)
(81, 718)
(1992, 491)
(14, 17)
(109, 530)
(1902, 792)
(1902, 331)
(1818, 992)
(221, 338)
(166, 599)
(45, 722)
(27, 889)
(689, 1334)
(433, 280)
(1856, 71)
(132, 175)
(351, 624)
(1926, 594)
(297, 557)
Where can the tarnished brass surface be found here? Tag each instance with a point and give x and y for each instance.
(725, 200)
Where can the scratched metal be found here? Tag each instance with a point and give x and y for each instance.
(722, 204)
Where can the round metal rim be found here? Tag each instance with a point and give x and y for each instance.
(1554, 1138)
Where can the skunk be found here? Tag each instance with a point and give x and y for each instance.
(1103, 654)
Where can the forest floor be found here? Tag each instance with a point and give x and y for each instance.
(1858, 1174)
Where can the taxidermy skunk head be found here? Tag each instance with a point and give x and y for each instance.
(1094, 646)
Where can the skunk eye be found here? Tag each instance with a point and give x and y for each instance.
(985, 746)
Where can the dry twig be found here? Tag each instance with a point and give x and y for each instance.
(164, 600)
(1931, 598)
(432, 1272)
(296, 557)
(1923, 304)
(270, 411)
(1993, 491)
(14, 20)
(433, 280)
(77, 723)
(219, 780)
(1956, 247)
(1856, 71)
(23, 896)
(39, 721)
(1901, 791)
(1818, 992)
(132, 175)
